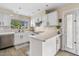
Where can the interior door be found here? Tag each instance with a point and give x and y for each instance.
(70, 45)
(77, 32)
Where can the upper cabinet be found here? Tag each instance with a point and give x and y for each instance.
(5, 20)
(43, 19)
(53, 18)
(39, 20)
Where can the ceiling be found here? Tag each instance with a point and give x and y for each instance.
(29, 9)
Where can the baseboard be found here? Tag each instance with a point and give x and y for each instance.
(21, 45)
(6, 47)
(71, 52)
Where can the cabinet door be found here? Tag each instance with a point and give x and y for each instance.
(21, 38)
(53, 18)
(6, 20)
(49, 47)
(33, 21)
(44, 21)
(1, 19)
(16, 38)
(26, 37)
(70, 32)
(35, 47)
(58, 43)
(77, 33)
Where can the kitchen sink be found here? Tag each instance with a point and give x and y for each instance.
(37, 33)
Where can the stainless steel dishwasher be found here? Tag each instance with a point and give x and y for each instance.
(6, 41)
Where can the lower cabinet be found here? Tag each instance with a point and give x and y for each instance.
(51, 46)
(48, 47)
(58, 43)
(20, 38)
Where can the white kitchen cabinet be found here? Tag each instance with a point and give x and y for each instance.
(33, 21)
(44, 20)
(35, 47)
(51, 46)
(53, 18)
(37, 18)
(48, 47)
(5, 20)
(50, 19)
(20, 38)
(58, 43)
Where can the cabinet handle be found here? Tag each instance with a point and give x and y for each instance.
(75, 42)
(74, 20)
(0, 23)
(21, 36)
(57, 41)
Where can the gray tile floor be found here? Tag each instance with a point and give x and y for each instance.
(65, 53)
(13, 52)
(22, 52)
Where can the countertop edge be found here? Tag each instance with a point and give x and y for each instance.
(6, 33)
(45, 39)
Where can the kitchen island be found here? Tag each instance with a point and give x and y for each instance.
(45, 44)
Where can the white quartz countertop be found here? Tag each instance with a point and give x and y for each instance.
(44, 38)
(6, 33)
(48, 33)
